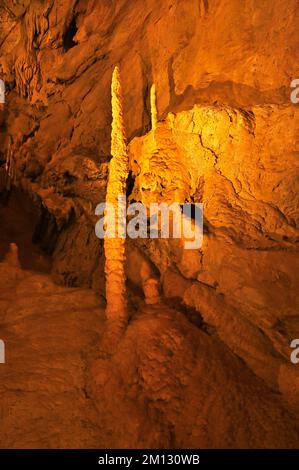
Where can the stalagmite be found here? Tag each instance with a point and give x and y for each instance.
(115, 247)
(154, 112)
(12, 257)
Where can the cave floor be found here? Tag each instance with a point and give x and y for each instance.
(49, 332)
(169, 384)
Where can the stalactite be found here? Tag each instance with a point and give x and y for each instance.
(154, 113)
(36, 23)
(35, 26)
(116, 187)
(26, 71)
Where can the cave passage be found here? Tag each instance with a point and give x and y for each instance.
(18, 221)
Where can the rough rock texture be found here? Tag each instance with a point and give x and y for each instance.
(226, 136)
(167, 385)
(44, 401)
(244, 279)
(173, 386)
(115, 246)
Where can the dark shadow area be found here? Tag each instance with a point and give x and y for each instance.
(18, 220)
(69, 34)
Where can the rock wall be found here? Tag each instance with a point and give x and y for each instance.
(243, 280)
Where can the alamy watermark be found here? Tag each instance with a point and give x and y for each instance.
(2, 352)
(2, 92)
(159, 221)
(295, 93)
(295, 353)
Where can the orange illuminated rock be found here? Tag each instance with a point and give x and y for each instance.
(116, 187)
(218, 127)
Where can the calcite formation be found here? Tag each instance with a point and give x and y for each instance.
(116, 188)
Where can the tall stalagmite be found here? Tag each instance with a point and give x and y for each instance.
(116, 188)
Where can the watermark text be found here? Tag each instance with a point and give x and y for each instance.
(184, 221)
(295, 92)
(2, 352)
(2, 92)
(295, 353)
